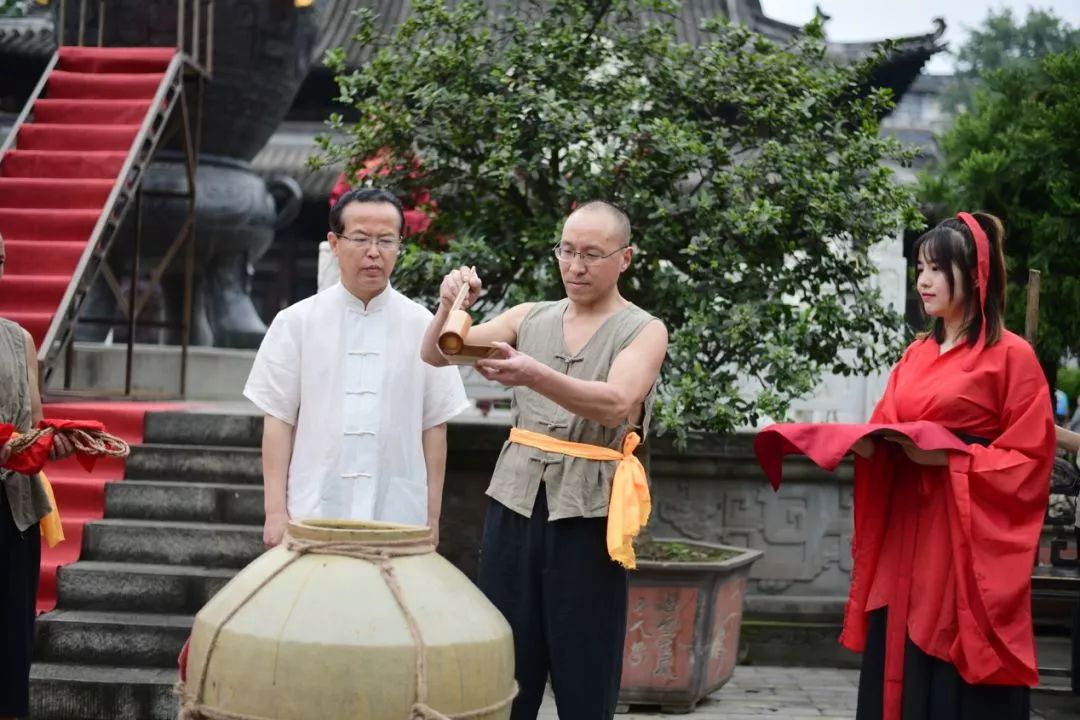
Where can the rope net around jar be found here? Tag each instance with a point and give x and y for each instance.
(381, 553)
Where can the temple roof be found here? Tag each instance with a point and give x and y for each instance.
(286, 154)
(32, 39)
(338, 27)
(31, 36)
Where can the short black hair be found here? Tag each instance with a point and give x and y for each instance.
(365, 195)
(622, 220)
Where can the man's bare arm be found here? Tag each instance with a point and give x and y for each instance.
(277, 447)
(1067, 440)
(61, 447)
(32, 378)
(617, 399)
(434, 443)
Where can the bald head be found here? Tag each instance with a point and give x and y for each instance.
(619, 222)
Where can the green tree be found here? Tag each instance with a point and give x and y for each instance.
(1002, 41)
(752, 172)
(1017, 154)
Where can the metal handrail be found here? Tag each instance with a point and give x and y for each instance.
(101, 23)
(180, 26)
(29, 106)
(171, 73)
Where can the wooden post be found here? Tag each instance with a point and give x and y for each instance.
(1031, 322)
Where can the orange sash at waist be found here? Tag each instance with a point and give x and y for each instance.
(629, 506)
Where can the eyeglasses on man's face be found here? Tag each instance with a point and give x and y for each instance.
(565, 254)
(364, 242)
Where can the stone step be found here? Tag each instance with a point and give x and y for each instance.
(95, 637)
(224, 464)
(194, 501)
(138, 587)
(203, 428)
(471, 443)
(793, 643)
(214, 374)
(172, 542)
(101, 692)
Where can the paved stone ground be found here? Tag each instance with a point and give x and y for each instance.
(758, 692)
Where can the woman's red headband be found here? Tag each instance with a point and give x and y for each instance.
(982, 259)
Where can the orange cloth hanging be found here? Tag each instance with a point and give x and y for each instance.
(629, 506)
(51, 527)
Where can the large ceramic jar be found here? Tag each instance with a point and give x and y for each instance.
(301, 635)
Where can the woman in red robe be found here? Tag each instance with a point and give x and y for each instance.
(951, 486)
(945, 541)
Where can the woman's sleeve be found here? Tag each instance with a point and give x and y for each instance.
(998, 501)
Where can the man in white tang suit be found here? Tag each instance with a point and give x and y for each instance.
(355, 421)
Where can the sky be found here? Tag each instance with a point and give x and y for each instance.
(855, 20)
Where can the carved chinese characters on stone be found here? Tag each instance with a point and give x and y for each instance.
(666, 628)
(636, 634)
(727, 617)
(659, 635)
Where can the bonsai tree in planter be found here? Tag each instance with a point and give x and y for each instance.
(754, 175)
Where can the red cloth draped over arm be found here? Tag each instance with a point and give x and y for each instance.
(999, 496)
(994, 499)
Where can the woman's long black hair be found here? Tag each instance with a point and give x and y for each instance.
(950, 244)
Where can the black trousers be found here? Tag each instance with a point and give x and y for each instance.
(20, 560)
(933, 689)
(565, 600)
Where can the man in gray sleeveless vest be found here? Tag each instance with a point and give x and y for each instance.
(583, 372)
(23, 502)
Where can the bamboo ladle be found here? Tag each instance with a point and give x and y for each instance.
(454, 338)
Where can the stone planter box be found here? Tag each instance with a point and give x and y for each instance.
(682, 629)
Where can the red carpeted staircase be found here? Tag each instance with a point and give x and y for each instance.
(56, 181)
(80, 496)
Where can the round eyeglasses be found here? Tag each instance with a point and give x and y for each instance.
(566, 255)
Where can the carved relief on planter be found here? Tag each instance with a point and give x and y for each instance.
(804, 529)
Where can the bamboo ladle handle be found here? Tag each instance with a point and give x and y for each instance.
(456, 328)
(460, 299)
